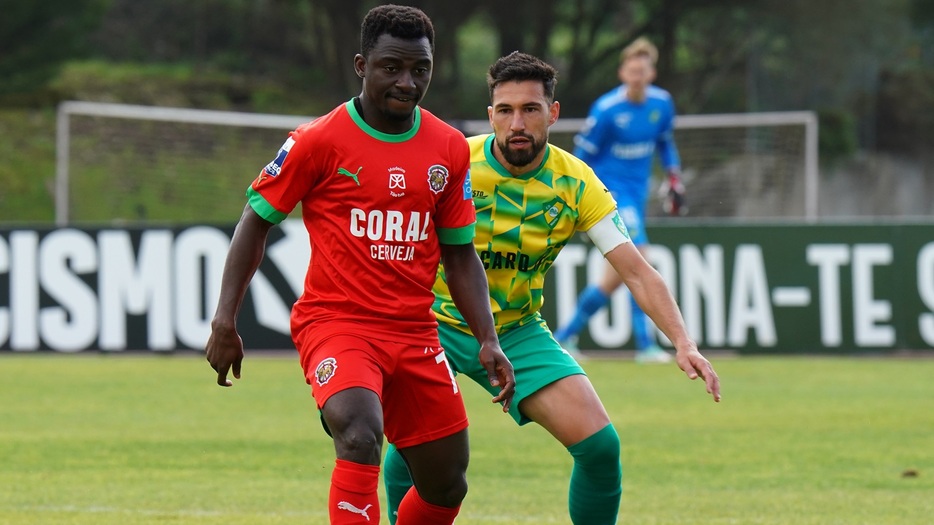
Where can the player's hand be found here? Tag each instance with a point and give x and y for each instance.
(499, 372)
(225, 353)
(672, 193)
(696, 365)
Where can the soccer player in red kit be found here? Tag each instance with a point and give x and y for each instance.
(384, 188)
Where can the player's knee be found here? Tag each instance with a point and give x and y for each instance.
(445, 485)
(359, 443)
(449, 492)
(354, 417)
(606, 449)
(601, 448)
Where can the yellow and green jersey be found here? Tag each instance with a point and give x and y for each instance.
(522, 224)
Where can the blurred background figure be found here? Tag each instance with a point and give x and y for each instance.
(624, 129)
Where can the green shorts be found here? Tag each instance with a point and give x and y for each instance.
(538, 360)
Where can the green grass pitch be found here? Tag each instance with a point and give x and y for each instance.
(141, 439)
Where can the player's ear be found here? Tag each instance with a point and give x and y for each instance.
(553, 112)
(651, 71)
(359, 65)
(489, 114)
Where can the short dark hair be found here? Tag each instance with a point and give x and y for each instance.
(517, 67)
(397, 20)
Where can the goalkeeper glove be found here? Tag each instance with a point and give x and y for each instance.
(671, 192)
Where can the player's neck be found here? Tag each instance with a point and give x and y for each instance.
(518, 171)
(636, 96)
(378, 121)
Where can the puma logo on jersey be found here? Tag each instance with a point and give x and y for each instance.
(342, 171)
(343, 505)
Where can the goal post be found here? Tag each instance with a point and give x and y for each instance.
(144, 164)
(737, 165)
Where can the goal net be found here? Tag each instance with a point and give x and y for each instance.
(743, 166)
(129, 164)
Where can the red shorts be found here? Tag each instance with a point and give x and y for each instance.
(421, 400)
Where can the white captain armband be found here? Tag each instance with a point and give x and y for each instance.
(609, 233)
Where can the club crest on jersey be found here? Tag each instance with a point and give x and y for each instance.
(437, 178)
(396, 181)
(552, 211)
(325, 370)
(273, 168)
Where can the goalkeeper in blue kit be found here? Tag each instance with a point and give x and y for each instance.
(623, 131)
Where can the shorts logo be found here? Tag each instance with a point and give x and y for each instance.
(275, 167)
(437, 178)
(325, 370)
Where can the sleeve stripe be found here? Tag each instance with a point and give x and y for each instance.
(463, 235)
(262, 207)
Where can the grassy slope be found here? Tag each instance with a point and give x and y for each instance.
(27, 140)
(27, 165)
(144, 440)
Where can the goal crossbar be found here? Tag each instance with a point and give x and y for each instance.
(807, 119)
(156, 113)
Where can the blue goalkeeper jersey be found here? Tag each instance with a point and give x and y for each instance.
(620, 138)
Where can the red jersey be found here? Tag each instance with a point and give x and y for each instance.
(376, 207)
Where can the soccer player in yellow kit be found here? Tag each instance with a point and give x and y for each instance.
(531, 197)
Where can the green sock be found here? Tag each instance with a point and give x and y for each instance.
(596, 481)
(397, 480)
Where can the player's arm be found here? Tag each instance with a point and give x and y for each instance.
(668, 151)
(652, 294)
(665, 141)
(224, 347)
(467, 283)
(672, 188)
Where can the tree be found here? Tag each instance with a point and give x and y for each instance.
(36, 38)
(583, 38)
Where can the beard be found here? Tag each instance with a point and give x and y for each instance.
(524, 157)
